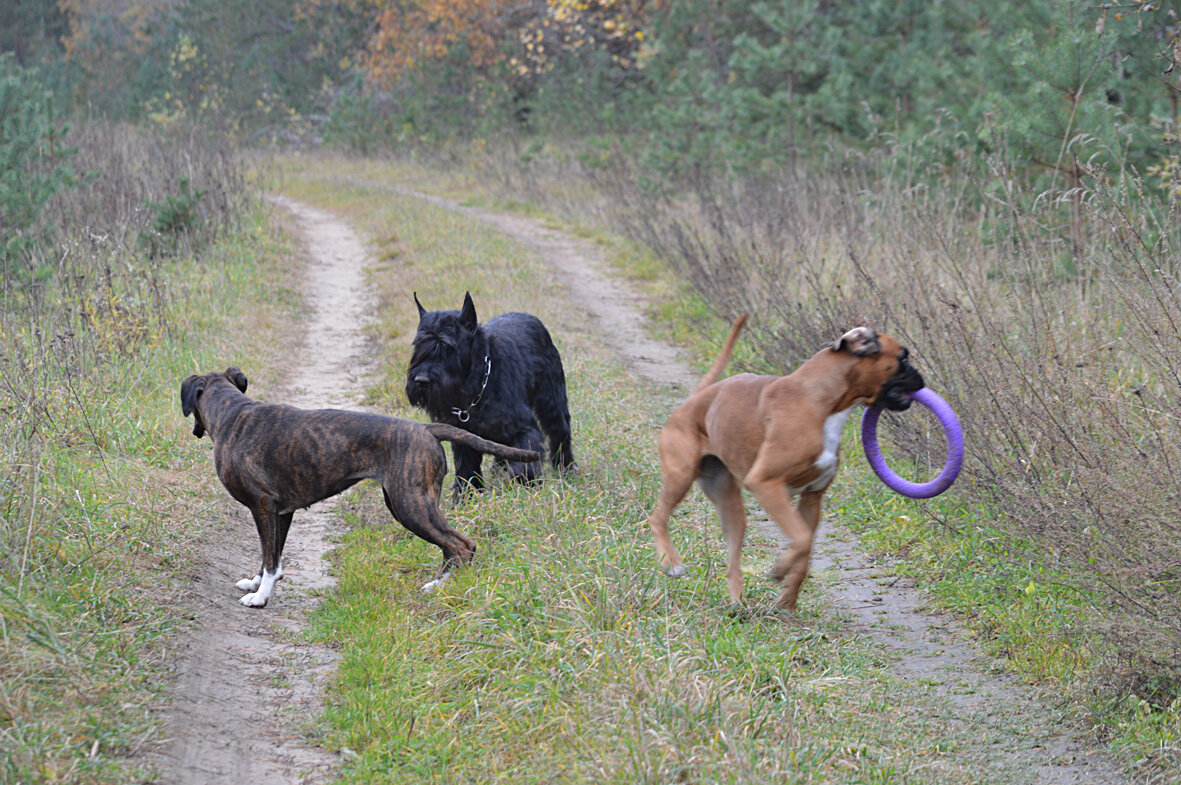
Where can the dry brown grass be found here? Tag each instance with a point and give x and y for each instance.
(1063, 366)
(95, 331)
(1051, 322)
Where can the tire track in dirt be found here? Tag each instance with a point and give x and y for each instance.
(618, 311)
(1024, 737)
(245, 682)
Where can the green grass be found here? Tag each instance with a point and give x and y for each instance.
(1019, 601)
(1011, 595)
(562, 654)
(105, 502)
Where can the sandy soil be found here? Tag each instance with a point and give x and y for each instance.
(245, 682)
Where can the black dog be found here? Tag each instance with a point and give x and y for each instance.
(277, 459)
(502, 381)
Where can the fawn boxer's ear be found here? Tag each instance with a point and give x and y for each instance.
(237, 377)
(190, 390)
(421, 310)
(467, 315)
(860, 341)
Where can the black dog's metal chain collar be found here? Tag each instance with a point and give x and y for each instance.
(466, 414)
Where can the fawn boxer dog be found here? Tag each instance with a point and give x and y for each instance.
(277, 459)
(778, 437)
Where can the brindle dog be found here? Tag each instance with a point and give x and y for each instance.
(277, 459)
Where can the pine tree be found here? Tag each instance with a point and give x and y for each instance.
(32, 159)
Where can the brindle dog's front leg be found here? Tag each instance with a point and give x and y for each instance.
(272, 531)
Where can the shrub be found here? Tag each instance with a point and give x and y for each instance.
(85, 353)
(32, 159)
(1064, 375)
(173, 218)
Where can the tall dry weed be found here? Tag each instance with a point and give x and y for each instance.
(1063, 364)
(82, 318)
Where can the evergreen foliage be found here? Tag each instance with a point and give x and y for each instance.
(761, 84)
(724, 86)
(31, 30)
(32, 159)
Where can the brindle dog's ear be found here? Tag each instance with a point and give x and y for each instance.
(237, 377)
(860, 341)
(467, 314)
(421, 310)
(190, 390)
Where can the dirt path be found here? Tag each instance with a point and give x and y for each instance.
(617, 310)
(245, 681)
(1024, 734)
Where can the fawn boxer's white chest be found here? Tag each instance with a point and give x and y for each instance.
(826, 462)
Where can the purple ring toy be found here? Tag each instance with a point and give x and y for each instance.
(955, 448)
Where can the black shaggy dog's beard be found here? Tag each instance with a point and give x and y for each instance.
(503, 381)
(441, 371)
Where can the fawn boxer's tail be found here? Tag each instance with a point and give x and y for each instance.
(449, 433)
(719, 365)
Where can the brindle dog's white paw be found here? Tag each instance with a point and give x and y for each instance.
(266, 584)
(436, 583)
(254, 600)
(676, 572)
(252, 584)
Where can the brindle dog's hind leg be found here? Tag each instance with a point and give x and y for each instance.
(412, 496)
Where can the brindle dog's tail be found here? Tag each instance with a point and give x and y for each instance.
(449, 433)
(719, 365)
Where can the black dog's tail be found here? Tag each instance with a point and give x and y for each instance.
(720, 364)
(449, 433)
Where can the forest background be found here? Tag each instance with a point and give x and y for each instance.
(995, 184)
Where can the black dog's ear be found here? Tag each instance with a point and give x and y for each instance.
(190, 390)
(860, 341)
(421, 310)
(237, 377)
(467, 315)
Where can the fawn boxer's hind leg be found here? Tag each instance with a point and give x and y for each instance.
(267, 521)
(726, 494)
(678, 469)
